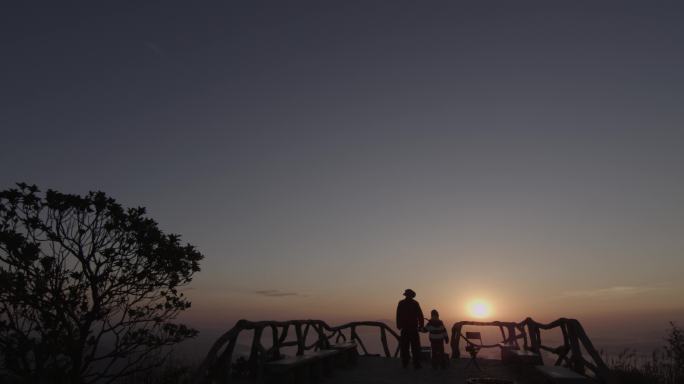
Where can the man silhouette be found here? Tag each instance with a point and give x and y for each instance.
(409, 321)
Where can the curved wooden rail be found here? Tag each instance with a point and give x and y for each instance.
(217, 365)
(569, 353)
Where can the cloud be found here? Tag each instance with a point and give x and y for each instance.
(616, 291)
(276, 293)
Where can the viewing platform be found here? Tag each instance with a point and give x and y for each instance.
(311, 351)
(381, 370)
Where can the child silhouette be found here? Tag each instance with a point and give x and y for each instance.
(438, 337)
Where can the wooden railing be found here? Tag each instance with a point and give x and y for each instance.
(569, 354)
(216, 367)
(576, 352)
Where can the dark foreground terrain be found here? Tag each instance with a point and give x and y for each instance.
(380, 370)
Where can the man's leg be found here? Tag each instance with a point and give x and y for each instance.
(415, 348)
(404, 342)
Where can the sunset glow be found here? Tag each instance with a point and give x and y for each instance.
(479, 309)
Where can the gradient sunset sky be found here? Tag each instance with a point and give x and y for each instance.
(324, 156)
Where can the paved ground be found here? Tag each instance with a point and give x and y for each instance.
(379, 370)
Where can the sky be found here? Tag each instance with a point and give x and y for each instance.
(324, 156)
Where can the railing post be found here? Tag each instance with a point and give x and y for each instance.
(276, 342)
(601, 370)
(306, 334)
(383, 338)
(521, 328)
(322, 338)
(512, 337)
(224, 362)
(535, 336)
(577, 362)
(456, 341)
(356, 337)
(283, 335)
(256, 355)
(564, 330)
(300, 339)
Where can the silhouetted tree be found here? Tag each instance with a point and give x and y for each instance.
(674, 350)
(88, 289)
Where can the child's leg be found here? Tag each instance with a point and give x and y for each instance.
(438, 356)
(435, 353)
(432, 353)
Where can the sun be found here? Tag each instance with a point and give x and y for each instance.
(479, 308)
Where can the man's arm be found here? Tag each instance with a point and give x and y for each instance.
(398, 314)
(421, 318)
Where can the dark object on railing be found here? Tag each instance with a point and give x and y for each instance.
(472, 348)
(569, 354)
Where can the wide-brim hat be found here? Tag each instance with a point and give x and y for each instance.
(409, 293)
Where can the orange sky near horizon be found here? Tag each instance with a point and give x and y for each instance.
(452, 300)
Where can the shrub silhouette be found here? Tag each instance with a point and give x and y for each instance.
(88, 289)
(666, 365)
